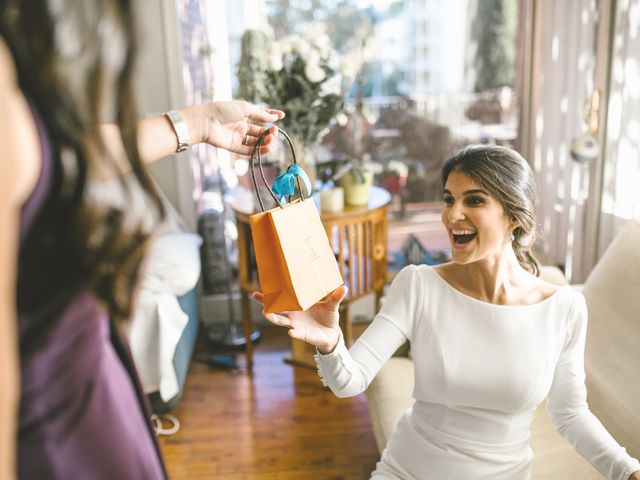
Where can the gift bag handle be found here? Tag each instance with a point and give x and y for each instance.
(256, 148)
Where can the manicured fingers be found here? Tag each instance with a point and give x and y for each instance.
(280, 320)
(251, 137)
(334, 298)
(258, 297)
(247, 150)
(254, 131)
(338, 294)
(274, 318)
(267, 115)
(278, 113)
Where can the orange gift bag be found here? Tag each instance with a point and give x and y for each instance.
(296, 265)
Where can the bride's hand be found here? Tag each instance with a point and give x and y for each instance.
(319, 325)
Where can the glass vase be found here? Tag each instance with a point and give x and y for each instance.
(305, 155)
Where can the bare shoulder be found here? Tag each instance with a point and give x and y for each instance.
(526, 289)
(444, 269)
(20, 156)
(448, 271)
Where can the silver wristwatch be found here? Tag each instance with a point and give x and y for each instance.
(180, 127)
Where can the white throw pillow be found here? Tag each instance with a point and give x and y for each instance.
(172, 264)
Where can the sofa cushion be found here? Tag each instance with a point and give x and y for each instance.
(172, 263)
(553, 275)
(553, 457)
(612, 362)
(389, 396)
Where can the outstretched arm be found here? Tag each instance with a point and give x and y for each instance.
(349, 372)
(318, 326)
(234, 126)
(570, 414)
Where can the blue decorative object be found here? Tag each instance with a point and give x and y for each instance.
(184, 350)
(413, 252)
(285, 183)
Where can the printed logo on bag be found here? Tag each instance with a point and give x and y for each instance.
(313, 255)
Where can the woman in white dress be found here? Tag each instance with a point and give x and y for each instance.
(490, 340)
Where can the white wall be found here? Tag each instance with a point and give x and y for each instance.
(562, 79)
(160, 88)
(621, 173)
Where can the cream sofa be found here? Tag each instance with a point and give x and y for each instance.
(612, 362)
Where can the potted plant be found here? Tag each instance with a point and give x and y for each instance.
(354, 178)
(394, 176)
(300, 74)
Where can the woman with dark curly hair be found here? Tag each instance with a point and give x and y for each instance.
(490, 340)
(70, 402)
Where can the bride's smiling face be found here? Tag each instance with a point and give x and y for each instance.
(475, 221)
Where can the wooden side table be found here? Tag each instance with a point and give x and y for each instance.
(358, 237)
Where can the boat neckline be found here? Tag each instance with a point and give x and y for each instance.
(544, 301)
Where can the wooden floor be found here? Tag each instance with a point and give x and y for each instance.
(279, 424)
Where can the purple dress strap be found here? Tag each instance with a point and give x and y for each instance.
(35, 201)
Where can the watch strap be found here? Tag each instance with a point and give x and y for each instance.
(180, 127)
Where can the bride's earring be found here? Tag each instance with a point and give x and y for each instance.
(511, 237)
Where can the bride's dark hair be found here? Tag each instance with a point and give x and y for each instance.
(73, 244)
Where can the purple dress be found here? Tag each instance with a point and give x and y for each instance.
(82, 412)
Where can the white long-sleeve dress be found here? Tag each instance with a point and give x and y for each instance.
(480, 372)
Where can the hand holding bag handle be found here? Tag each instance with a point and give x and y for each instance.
(284, 182)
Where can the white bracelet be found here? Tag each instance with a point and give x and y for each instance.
(180, 127)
